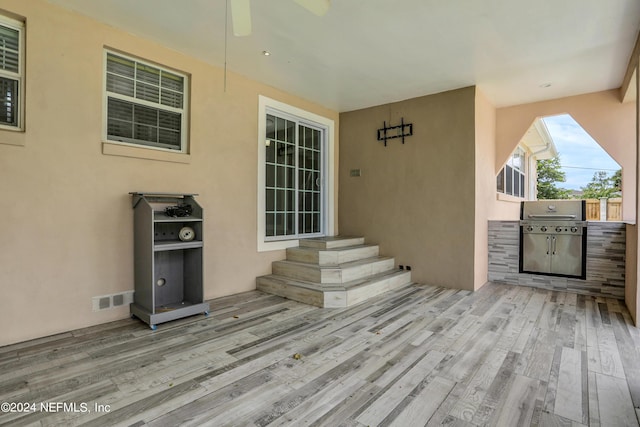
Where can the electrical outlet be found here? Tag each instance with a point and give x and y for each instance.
(408, 268)
(401, 267)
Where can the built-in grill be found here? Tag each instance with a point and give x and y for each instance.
(553, 238)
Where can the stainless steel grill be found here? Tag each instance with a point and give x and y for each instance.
(553, 238)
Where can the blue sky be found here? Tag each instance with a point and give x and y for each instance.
(580, 155)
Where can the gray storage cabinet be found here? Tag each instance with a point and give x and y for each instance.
(167, 269)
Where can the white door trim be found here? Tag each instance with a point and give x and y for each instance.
(264, 104)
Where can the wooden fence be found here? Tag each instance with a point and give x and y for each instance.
(607, 210)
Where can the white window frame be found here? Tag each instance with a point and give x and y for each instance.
(185, 113)
(267, 105)
(18, 26)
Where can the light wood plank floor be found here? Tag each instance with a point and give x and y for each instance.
(422, 355)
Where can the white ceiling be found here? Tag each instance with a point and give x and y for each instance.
(371, 52)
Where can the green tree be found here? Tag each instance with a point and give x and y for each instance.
(549, 174)
(601, 185)
(617, 180)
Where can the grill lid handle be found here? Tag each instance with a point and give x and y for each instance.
(552, 216)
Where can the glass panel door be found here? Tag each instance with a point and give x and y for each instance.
(293, 195)
(280, 178)
(309, 184)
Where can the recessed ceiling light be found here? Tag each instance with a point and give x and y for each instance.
(266, 53)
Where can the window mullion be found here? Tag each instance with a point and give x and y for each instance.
(144, 102)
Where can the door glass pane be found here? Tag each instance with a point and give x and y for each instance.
(271, 151)
(291, 178)
(271, 200)
(280, 177)
(307, 223)
(291, 132)
(271, 127)
(280, 224)
(291, 225)
(281, 129)
(280, 200)
(270, 223)
(271, 177)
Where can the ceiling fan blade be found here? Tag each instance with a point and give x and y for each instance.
(317, 7)
(241, 17)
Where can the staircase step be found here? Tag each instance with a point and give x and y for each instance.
(331, 242)
(334, 295)
(333, 256)
(340, 273)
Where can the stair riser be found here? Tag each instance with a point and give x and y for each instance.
(350, 255)
(303, 295)
(332, 244)
(300, 272)
(327, 275)
(358, 295)
(361, 271)
(321, 257)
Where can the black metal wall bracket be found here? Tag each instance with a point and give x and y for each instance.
(401, 131)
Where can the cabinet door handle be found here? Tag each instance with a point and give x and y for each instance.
(554, 245)
(548, 245)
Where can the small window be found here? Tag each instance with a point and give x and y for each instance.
(145, 104)
(511, 179)
(11, 73)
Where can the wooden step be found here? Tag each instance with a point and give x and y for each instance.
(331, 242)
(334, 295)
(333, 256)
(340, 273)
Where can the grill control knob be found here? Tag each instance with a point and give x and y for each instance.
(574, 229)
(543, 228)
(558, 229)
(529, 228)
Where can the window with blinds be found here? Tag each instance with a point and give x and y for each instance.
(512, 178)
(11, 54)
(145, 104)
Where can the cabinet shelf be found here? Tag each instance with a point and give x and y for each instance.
(162, 217)
(172, 245)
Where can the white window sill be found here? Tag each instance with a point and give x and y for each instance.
(12, 137)
(507, 198)
(113, 149)
(277, 245)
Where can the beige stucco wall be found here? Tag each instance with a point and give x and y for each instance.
(66, 214)
(631, 294)
(485, 183)
(608, 121)
(416, 200)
